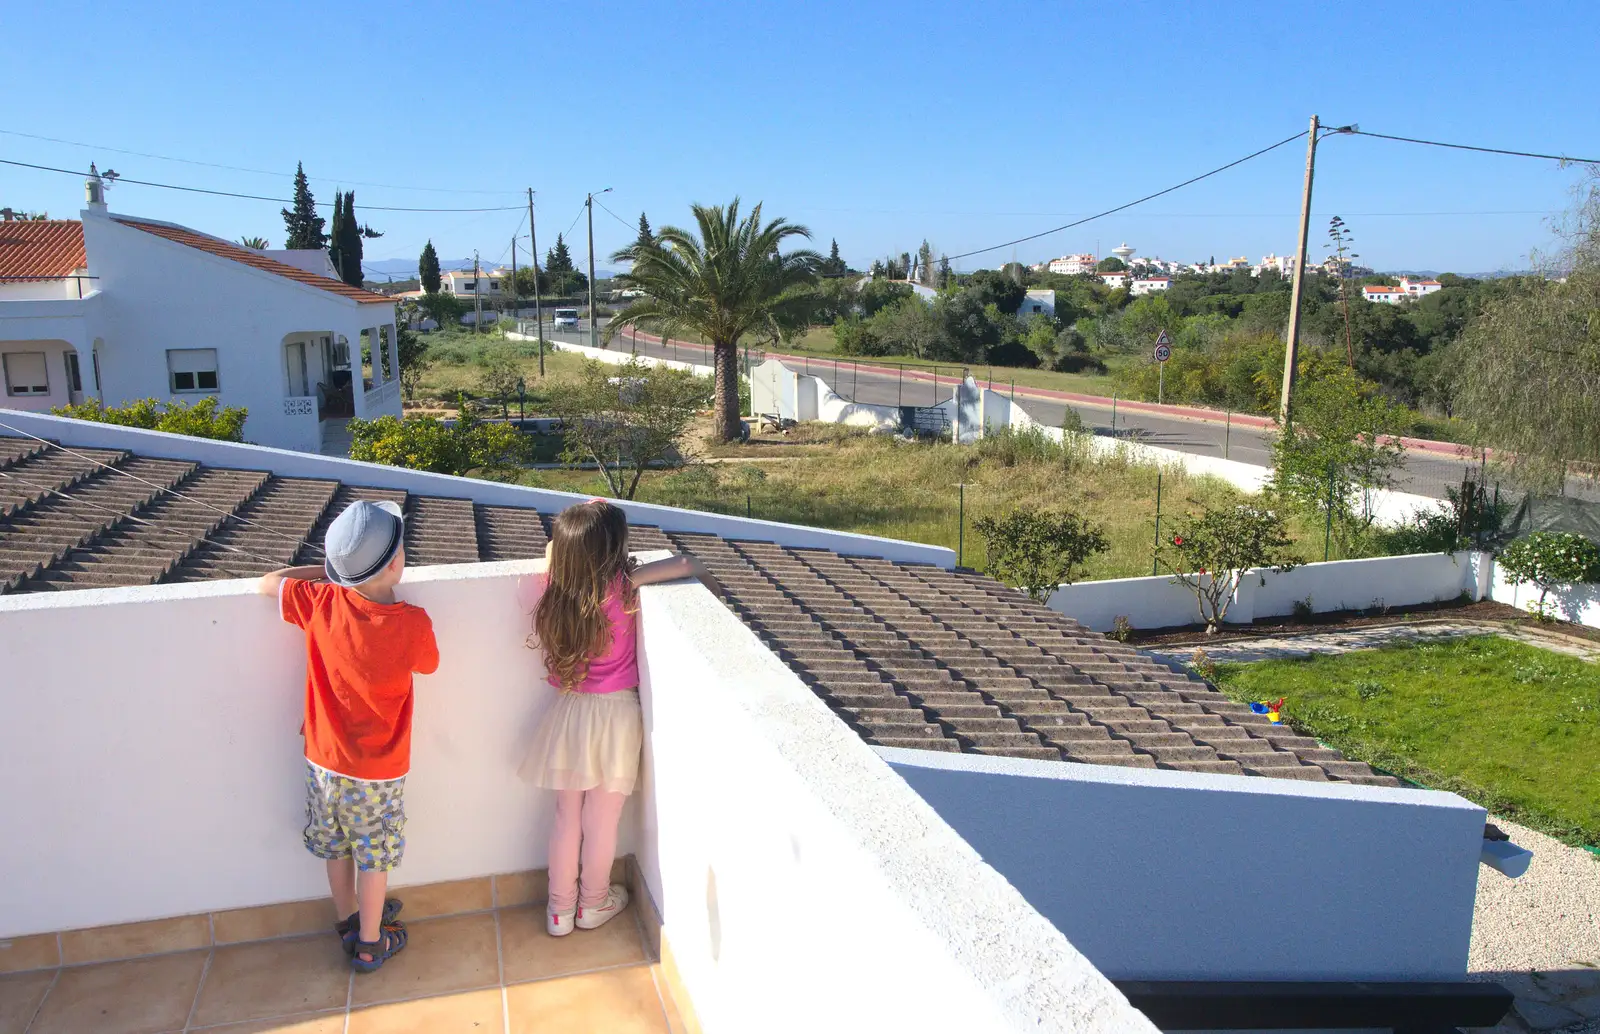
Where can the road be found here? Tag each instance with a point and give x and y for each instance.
(1425, 473)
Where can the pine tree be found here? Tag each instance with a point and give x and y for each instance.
(835, 265)
(303, 225)
(942, 278)
(336, 235)
(925, 263)
(428, 268)
(646, 238)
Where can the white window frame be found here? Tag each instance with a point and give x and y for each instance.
(26, 390)
(190, 361)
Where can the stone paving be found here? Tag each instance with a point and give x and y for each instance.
(1539, 934)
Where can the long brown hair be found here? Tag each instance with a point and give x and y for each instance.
(588, 555)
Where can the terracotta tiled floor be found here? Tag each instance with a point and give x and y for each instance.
(486, 972)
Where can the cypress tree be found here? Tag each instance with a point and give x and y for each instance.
(835, 263)
(428, 268)
(646, 238)
(353, 249)
(336, 237)
(558, 259)
(303, 225)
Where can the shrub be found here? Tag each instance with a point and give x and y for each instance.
(201, 419)
(1038, 550)
(1121, 628)
(424, 443)
(1014, 446)
(1549, 559)
(852, 336)
(1210, 551)
(625, 418)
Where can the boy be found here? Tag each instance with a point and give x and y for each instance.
(362, 646)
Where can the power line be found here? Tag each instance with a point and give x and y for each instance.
(617, 217)
(241, 168)
(1130, 204)
(1470, 147)
(251, 197)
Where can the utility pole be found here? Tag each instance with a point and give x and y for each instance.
(538, 304)
(515, 312)
(594, 322)
(1292, 345)
(477, 296)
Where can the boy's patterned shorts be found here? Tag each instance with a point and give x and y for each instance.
(361, 817)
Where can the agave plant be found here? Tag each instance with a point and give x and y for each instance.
(258, 243)
(722, 283)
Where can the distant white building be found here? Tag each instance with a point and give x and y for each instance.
(1037, 301)
(1408, 290)
(1150, 285)
(1072, 265)
(1283, 265)
(466, 285)
(1383, 294)
(1116, 280)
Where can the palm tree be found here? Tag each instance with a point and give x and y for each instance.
(729, 281)
(258, 243)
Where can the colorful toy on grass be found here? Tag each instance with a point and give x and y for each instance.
(1273, 709)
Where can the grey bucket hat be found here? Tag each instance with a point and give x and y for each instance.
(361, 541)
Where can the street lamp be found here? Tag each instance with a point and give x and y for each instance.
(522, 410)
(593, 325)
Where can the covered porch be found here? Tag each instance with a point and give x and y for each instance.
(331, 376)
(47, 353)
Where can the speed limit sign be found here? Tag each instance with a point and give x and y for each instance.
(1163, 347)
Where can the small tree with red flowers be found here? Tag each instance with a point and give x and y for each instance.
(1211, 551)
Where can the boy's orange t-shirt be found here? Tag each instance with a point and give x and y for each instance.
(360, 657)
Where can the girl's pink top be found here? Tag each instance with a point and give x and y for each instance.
(616, 669)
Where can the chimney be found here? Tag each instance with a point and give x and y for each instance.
(94, 191)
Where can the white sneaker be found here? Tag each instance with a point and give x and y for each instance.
(616, 900)
(559, 924)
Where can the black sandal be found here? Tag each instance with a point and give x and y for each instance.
(391, 939)
(349, 928)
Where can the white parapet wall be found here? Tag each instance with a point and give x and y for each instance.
(152, 750)
(1375, 583)
(803, 886)
(777, 390)
(1177, 876)
(88, 434)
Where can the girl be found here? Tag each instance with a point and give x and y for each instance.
(586, 747)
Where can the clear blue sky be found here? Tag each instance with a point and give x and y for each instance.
(877, 124)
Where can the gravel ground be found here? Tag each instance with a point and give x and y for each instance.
(1546, 919)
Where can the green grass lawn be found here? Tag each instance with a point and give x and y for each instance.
(1509, 726)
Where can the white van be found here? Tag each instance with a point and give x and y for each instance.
(567, 318)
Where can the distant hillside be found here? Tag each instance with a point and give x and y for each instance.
(1434, 275)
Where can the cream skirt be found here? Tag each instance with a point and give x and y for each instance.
(587, 741)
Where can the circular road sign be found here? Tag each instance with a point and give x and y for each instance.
(1163, 352)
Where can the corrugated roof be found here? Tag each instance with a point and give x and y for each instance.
(41, 248)
(225, 249)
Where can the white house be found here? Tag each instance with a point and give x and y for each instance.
(1149, 285)
(1038, 301)
(121, 308)
(466, 284)
(1116, 280)
(1384, 294)
(1419, 288)
(1283, 265)
(1072, 265)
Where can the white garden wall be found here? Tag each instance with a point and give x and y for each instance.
(1178, 876)
(802, 885)
(618, 356)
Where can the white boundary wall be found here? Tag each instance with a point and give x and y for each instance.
(159, 771)
(777, 389)
(1373, 583)
(615, 357)
(87, 434)
(790, 865)
(1180, 876)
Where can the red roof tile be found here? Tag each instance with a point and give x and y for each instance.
(41, 248)
(233, 252)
